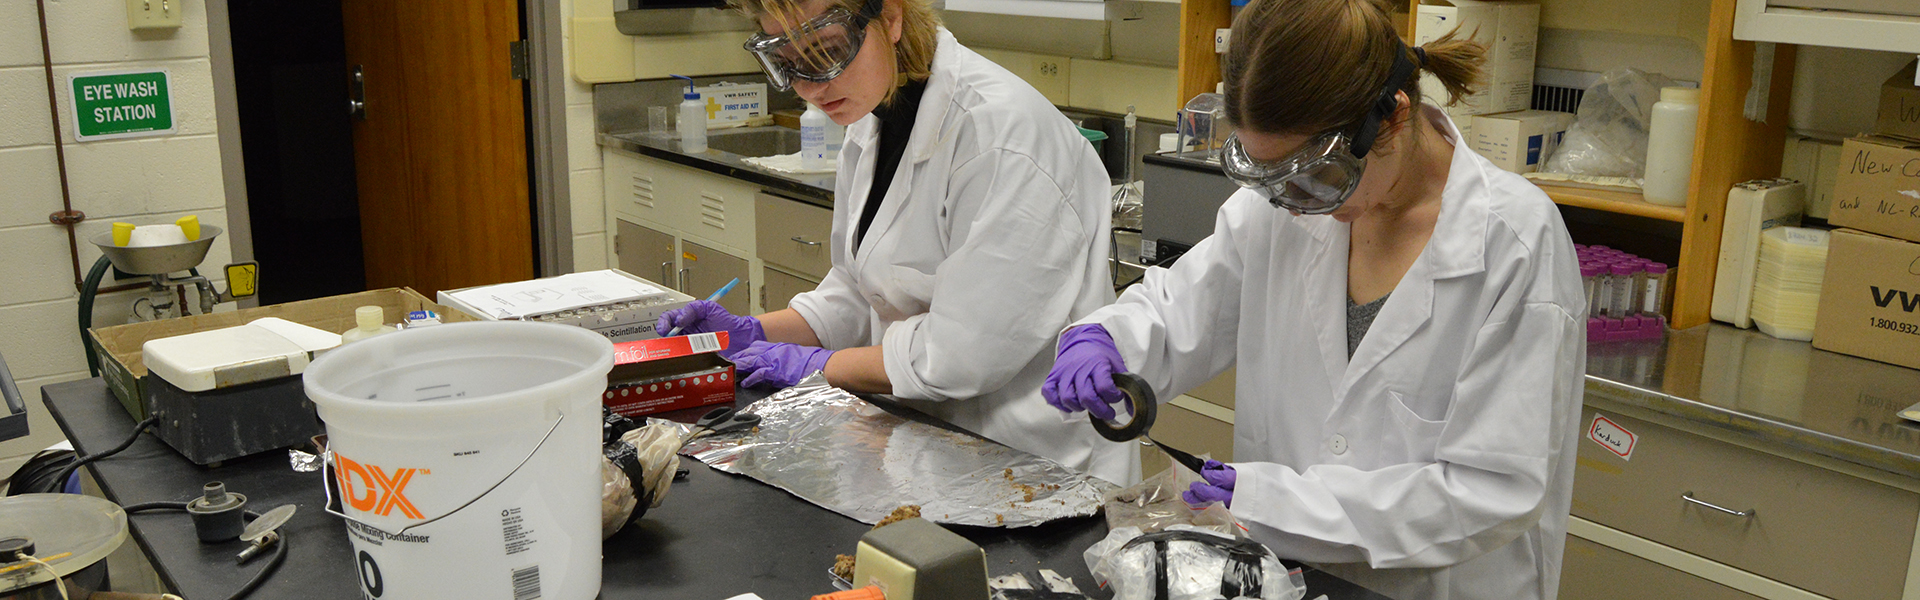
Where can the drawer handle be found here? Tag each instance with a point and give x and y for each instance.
(797, 239)
(1746, 514)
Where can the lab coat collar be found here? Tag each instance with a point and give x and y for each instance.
(1457, 248)
(929, 125)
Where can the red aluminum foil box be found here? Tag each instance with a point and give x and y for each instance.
(666, 374)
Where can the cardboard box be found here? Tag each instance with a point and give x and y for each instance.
(1900, 105)
(665, 374)
(733, 104)
(1870, 301)
(1509, 29)
(269, 414)
(1519, 141)
(1878, 187)
(619, 321)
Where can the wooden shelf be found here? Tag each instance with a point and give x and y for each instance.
(1622, 202)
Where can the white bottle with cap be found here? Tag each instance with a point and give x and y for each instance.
(371, 321)
(1670, 138)
(692, 122)
(813, 138)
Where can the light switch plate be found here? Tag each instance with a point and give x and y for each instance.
(155, 14)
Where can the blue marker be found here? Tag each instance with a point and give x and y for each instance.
(717, 295)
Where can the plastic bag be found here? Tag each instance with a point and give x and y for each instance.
(647, 457)
(1154, 504)
(1609, 133)
(616, 498)
(1187, 563)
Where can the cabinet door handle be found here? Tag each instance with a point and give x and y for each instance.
(1744, 514)
(797, 239)
(685, 273)
(666, 274)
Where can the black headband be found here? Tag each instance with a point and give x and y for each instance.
(1384, 104)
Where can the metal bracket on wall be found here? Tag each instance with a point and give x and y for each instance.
(66, 217)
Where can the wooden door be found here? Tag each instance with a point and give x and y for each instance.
(441, 152)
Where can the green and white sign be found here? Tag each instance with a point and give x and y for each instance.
(121, 104)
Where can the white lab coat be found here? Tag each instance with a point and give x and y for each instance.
(992, 238)
(1439, 463)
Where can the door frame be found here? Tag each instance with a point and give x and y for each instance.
(547, 138)
(226, 113)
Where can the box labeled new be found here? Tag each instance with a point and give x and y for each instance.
(1900, 104)
(1878, 189)
(665, 374)
(1870, 301)
(1519, 141)
(1510, 32)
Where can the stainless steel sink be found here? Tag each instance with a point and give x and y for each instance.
(755, 141)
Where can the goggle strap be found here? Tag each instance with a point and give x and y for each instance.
(1384, 105)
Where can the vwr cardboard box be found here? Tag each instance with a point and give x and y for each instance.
(1509, 30)
(1878, 189)
(1519, 141)
(1900, 104)
(1870, 302)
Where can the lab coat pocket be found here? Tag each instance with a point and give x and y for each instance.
(1420, 437)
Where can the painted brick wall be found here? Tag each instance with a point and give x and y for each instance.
(583, 163)
(141, 181)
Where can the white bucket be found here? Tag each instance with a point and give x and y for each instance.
(467, 458)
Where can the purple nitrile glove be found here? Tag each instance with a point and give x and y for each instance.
(704, 316)
(780, 365)
(1218, 486)
(1082, 376)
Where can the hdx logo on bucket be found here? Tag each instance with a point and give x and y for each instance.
(383, 493)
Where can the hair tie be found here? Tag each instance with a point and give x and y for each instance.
(1419, 57)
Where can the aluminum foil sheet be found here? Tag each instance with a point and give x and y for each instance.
(835, 450)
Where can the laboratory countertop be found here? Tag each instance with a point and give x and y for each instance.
(814, 189)
(716, 536)
(1775, 393)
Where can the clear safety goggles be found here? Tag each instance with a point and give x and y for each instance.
(1313, 180)
(817, 50)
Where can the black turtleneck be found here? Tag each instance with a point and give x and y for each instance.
(896, 126)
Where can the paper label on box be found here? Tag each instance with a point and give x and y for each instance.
(1612, 436)
(671, 347)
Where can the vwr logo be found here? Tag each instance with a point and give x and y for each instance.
(1908, 301)
(383, 493)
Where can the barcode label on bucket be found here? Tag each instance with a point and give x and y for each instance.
(526, 583)
(705, 342)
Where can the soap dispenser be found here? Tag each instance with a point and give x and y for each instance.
(693, 119)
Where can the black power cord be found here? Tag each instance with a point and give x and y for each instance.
(61, 481)
(279, 553)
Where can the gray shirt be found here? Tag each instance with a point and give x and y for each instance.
(1360, 319)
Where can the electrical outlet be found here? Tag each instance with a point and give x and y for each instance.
(1049, 69)
(155, 14)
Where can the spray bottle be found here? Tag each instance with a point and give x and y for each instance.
(693, 119)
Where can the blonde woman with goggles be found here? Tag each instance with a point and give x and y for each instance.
(969, 228)
(1401, 311)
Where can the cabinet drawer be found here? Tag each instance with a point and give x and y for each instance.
(1592, 571)
(793, 234)
(1827, 532)
(780, 287)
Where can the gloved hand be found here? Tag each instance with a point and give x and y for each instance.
(1218, 486)
(1082, 376)
(705, 316)
(780, 365)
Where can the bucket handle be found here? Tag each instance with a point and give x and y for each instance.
(326, 457)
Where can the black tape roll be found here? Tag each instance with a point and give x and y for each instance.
(1144, 410)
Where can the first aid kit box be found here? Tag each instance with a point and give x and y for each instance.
(1870, 301)
(733, 104)
(610, 302)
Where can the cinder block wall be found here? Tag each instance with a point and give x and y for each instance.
(583, 158)
(141, 181)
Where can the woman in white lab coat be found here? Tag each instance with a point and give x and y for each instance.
(1430, 453)
(969, 227)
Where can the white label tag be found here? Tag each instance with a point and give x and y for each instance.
(1611, 436)
(704, 342)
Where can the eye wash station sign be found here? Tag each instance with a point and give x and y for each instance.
(121, 104)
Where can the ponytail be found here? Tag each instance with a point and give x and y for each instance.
(1455, 63)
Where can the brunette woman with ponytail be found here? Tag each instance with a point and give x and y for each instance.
(1405, 317)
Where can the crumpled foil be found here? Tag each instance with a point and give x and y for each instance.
(835, 450)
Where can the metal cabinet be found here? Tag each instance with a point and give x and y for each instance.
(704, 269)
(1593, 571)
(780, 287)
(646, 252)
